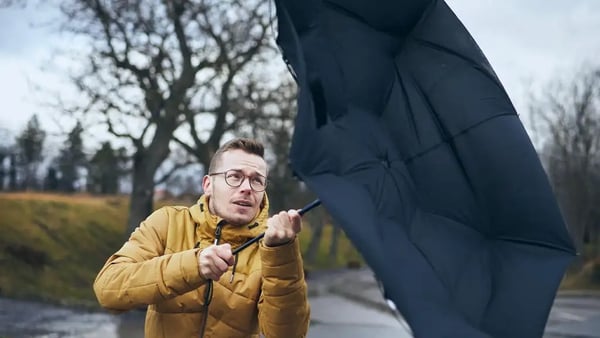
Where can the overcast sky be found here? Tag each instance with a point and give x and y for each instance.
(524, 40)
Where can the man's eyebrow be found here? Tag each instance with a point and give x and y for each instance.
(254, 172)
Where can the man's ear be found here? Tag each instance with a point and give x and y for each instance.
(206, 185)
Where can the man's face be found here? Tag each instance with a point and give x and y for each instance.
(236, 205)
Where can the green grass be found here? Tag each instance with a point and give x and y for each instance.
(588, 278)
(346, 255)
(52, 246)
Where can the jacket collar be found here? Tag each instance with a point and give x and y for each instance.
(234, 235)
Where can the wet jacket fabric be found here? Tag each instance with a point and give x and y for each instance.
(265, 292)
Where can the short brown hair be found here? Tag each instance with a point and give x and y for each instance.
(248, 145)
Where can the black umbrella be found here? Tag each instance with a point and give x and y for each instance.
(410, 141)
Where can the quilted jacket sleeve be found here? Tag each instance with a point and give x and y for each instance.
(141, 274)
(283, 309)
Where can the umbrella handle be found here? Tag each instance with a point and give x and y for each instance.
(302, 211)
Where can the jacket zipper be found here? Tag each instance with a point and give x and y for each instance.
(218, 232)
(208, 293)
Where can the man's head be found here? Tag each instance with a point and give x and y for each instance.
(236, 181)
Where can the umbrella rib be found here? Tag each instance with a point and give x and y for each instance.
(445, 133)
(407, 104)
(338, 8)
(534, 242)
(450, 138)
(486, 72)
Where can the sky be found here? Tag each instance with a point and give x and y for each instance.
(528, 42)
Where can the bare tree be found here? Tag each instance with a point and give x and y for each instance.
(567, 115)
(238, 98)
(269, 117)
(156, 67)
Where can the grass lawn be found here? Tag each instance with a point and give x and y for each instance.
(53, 245)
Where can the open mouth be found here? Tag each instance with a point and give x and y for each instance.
(243, 203)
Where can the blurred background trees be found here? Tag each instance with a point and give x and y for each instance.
(28, 156)
(161, 84)
(162, 75)
(566, 115)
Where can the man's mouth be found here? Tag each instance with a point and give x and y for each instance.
(243, 203)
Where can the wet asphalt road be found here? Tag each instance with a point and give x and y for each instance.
(333, 315)
(339, 318)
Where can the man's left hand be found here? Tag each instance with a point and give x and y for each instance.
(282, 228)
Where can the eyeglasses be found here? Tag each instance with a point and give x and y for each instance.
(235, 178)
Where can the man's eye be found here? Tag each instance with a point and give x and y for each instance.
(259, 181)
(234, 176)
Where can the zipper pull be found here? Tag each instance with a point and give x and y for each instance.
(218, 231)
(233, 270)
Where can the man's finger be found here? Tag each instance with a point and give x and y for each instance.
(220, 265)
(213, 272)
(293, 213)
(224, 252)
(224, 247)
(295, 220)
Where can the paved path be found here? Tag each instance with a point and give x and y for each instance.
(344, 303)
(335, 316)
(348, 303)
(574, 314)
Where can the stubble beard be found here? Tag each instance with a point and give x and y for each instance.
(212, 207)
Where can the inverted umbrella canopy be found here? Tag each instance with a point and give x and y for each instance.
(410, 141)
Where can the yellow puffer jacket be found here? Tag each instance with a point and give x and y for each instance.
(158, 266)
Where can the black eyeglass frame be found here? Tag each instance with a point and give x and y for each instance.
(224, 173)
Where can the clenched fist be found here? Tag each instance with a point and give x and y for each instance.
(282, 228)
(214, 261)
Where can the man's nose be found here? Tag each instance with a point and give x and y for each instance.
(245, 186)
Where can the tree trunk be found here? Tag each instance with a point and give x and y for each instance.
(140, 201)
(12, 173)
(145, 164)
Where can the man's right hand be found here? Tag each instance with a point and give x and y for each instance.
(215, 260)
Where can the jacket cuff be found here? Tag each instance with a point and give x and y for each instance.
(190, 269)
(275, 258)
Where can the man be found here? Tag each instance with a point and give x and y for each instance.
(179, 261)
